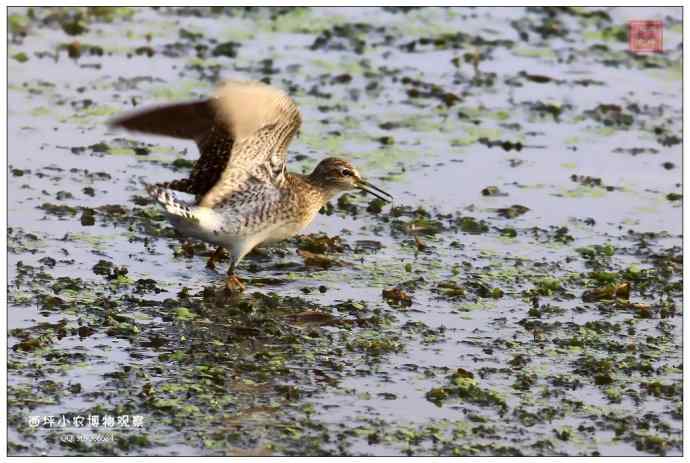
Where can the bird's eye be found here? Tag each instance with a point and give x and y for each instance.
(347, 173)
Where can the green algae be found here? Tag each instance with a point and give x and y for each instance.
(20, 57)
(216, 375)
(465, 387)
(473, 134)
(303, 20)
(182, 90)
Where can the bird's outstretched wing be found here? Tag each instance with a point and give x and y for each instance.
(242, 132)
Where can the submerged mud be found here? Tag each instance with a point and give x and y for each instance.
(521, 296)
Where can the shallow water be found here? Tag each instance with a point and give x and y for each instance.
(498, 353)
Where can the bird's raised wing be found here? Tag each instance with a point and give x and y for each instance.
(192, 120)
(262, 121)
(242, 133)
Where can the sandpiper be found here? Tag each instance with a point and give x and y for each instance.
(244, 194)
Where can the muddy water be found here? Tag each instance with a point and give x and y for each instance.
(544, 314)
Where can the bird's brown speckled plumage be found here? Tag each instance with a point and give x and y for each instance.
(244, 194)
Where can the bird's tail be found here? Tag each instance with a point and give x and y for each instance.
(172, 205)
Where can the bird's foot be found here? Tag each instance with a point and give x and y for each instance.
(234, 284)
(215, 257)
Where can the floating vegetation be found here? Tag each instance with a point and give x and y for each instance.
(397, 297)
(513, 211)
(519, 297)
(462, 385)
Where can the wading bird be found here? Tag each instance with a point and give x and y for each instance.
(244, 194)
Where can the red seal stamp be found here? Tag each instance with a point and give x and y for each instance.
(646, 36)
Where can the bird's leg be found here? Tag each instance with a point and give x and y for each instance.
(187, 247)
(233, 284)
(215, 257)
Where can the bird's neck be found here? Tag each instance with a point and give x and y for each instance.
(319, 192)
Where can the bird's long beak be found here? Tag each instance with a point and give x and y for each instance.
(369, 188)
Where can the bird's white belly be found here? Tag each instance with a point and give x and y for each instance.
(211, 227)
(282, 232)
(204, 232)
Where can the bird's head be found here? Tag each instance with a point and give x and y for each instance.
(338, 175)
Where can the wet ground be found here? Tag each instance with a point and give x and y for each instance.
(521, 296)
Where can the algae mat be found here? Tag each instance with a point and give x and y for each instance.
(521, 296)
